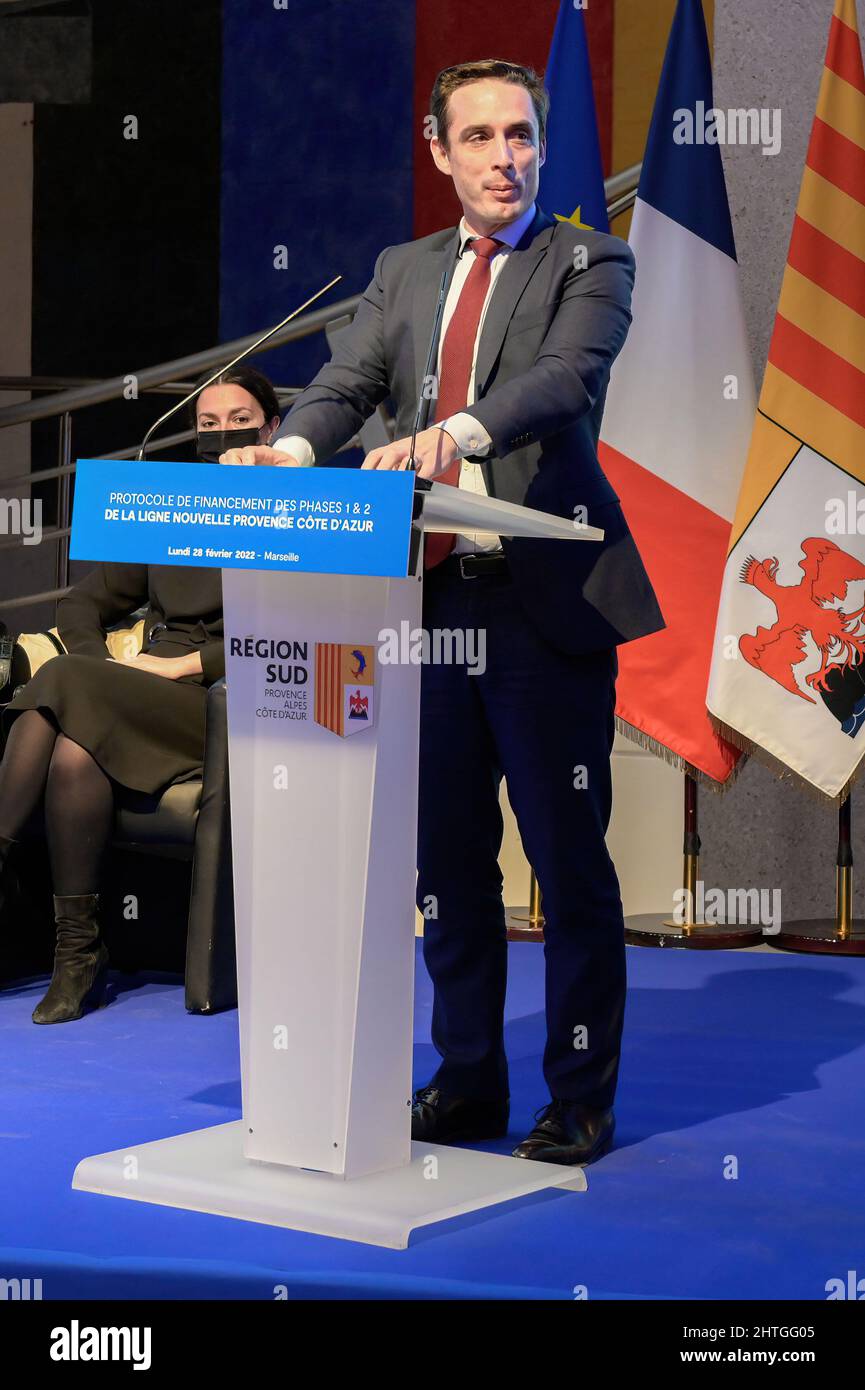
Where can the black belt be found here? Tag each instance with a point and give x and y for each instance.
(477, 566)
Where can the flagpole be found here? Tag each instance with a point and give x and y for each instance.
(845, 936)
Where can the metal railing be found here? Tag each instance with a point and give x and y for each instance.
(621, 190)
(195, 364)
(61, 383)
(64, 395)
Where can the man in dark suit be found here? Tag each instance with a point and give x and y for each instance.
(535, 314)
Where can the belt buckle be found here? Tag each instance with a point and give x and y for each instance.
(462, 559)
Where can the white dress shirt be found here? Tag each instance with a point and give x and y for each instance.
(467, 432)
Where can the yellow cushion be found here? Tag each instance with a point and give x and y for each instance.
(122, 642)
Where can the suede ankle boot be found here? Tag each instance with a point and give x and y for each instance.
(80, 960)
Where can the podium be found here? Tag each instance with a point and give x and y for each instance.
(324, 646)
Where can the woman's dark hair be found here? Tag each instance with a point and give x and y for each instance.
(255, 382)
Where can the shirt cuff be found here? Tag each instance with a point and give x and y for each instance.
(299, 448)
(468, 434)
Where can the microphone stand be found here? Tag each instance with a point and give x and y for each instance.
(427, 376)
(423, 485)
(233, 363)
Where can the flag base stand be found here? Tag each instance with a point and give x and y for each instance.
(656, 929)
(520, 928)
(660, 929)
(821, 935)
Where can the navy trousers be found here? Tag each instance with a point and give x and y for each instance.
(544, 720)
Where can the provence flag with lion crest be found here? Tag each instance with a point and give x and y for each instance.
(344, 687)
(788, 673)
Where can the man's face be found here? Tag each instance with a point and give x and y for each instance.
(493, 153)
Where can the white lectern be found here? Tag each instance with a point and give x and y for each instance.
(323, 740)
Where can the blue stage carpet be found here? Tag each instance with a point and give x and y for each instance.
(758, 1056)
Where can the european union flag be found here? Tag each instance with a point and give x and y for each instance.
(572, 179)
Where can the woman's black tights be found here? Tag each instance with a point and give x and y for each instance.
(79, 800)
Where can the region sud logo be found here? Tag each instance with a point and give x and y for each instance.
(344, 687)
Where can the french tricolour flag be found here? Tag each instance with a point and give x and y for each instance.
(680, 409)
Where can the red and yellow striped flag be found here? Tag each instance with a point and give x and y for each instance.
(788, 668)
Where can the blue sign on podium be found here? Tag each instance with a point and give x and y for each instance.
(313, 520)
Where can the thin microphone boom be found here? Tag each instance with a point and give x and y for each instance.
(428, 373)
(233, 363)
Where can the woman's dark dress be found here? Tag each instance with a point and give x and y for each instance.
(143, 730)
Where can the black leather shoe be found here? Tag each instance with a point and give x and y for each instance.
(441, 1119)
(567, 1132)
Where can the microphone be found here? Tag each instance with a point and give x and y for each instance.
(422, 399)
(247, 351)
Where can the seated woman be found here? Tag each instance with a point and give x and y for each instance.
(86, 725)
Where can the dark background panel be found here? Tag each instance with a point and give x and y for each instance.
(126, 231)
(316, 156)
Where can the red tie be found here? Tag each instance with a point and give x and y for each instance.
(455, 372)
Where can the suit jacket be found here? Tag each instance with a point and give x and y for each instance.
(550, 335)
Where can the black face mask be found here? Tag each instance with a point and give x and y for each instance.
(211, 443)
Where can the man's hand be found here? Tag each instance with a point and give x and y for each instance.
(170, 667)
(434, 452)
(254, 455)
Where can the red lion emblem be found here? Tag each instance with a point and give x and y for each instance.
(808, 606)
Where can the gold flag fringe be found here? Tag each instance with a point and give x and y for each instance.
(660, 750)
(780, 769)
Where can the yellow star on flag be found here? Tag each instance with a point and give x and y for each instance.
(575, 218)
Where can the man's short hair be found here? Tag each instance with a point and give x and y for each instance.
(462, 73)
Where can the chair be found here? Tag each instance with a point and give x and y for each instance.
(190, 821)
